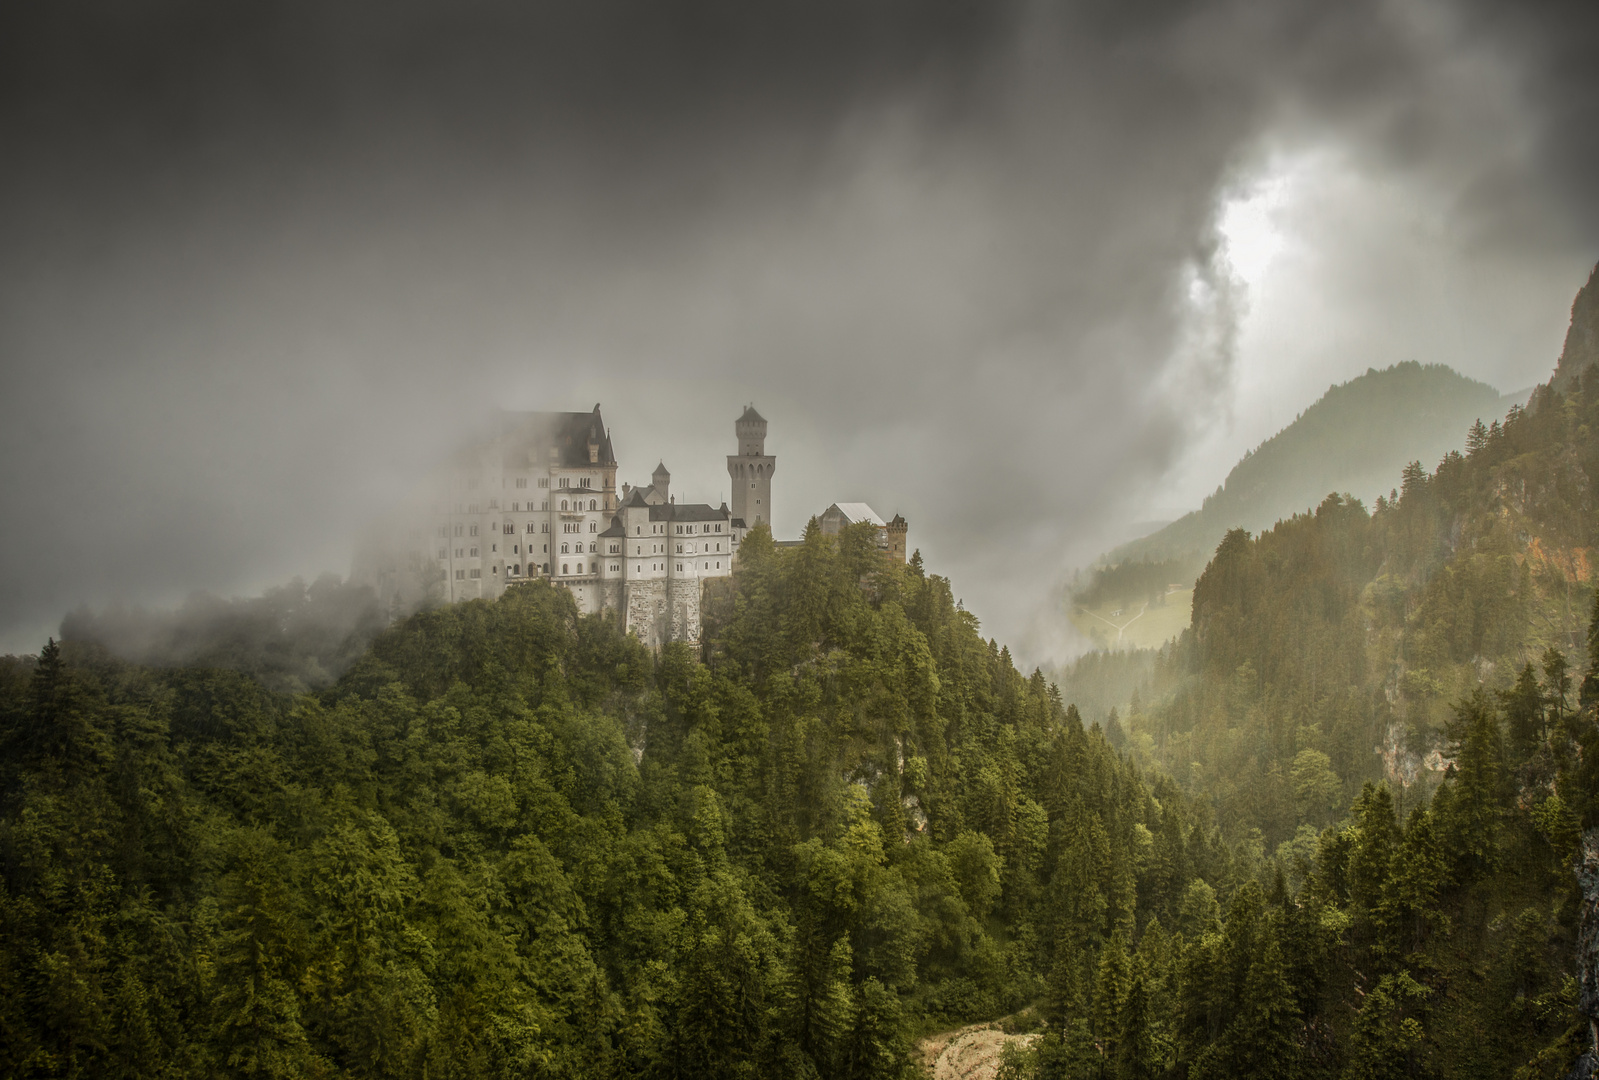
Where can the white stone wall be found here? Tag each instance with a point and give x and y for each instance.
(496, 523)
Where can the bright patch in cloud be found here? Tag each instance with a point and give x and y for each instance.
(1250, 226)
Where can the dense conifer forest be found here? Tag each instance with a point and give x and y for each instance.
(1334, 836)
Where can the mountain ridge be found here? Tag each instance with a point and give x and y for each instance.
(1349, 440)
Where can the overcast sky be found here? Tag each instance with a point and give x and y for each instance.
(1023, 273)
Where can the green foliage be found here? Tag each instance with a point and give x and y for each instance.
(511, 842)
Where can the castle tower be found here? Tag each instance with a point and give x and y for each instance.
(751, 470)
(895, 537)
(661, 480)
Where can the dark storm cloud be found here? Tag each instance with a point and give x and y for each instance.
(262, 264)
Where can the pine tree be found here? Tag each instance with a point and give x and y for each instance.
(1556, 684)
(1110, 991)
(1524, 715)
(1264, 1041)
(1371, 856)
(1135, 1056)
(1589, 693)
(258, 1028)
(1413, 483)
(1410, 894)
(57, 724)
(1387, 1039)
(1476, 437)
(1469, 819)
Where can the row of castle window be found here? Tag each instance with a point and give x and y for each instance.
(686, 529)
(515, 570)
(567, 568)
(584, 483)
(509, 528)
(521, 482)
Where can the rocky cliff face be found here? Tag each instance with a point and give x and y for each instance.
(1588, 935)
(1582, 340)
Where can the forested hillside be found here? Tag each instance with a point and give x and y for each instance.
(509, 841)
(1396, 710)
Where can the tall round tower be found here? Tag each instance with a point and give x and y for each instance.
(751, 470)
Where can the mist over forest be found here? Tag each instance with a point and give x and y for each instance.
(369, 708)
(265, 268)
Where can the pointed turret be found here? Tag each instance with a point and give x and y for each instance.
(662, 481)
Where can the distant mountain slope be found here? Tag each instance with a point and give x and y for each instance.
(1355, 440)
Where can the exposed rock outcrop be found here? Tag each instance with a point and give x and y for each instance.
(974, 1052)
(1582, 339)
(1588, 933)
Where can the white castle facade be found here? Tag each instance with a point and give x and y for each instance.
(538, 501)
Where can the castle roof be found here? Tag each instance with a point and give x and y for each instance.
(751, 416)
(528, 437)
(855, 513)
(615, 529)
(687, 512)
(635, 498)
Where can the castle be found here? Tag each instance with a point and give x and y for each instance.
(537, 500)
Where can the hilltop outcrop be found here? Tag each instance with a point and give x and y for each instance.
(1582, 338)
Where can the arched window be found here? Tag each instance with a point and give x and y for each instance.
(593, 505)
(564, 570)
(563, 504)
(565, 549)
(580, 568)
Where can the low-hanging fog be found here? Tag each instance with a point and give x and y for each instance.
(1023, 273)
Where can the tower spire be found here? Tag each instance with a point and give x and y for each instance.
(750, 470)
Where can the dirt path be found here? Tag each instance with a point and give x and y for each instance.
(969, 1053)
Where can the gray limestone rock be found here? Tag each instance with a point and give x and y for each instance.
(1588, 932)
